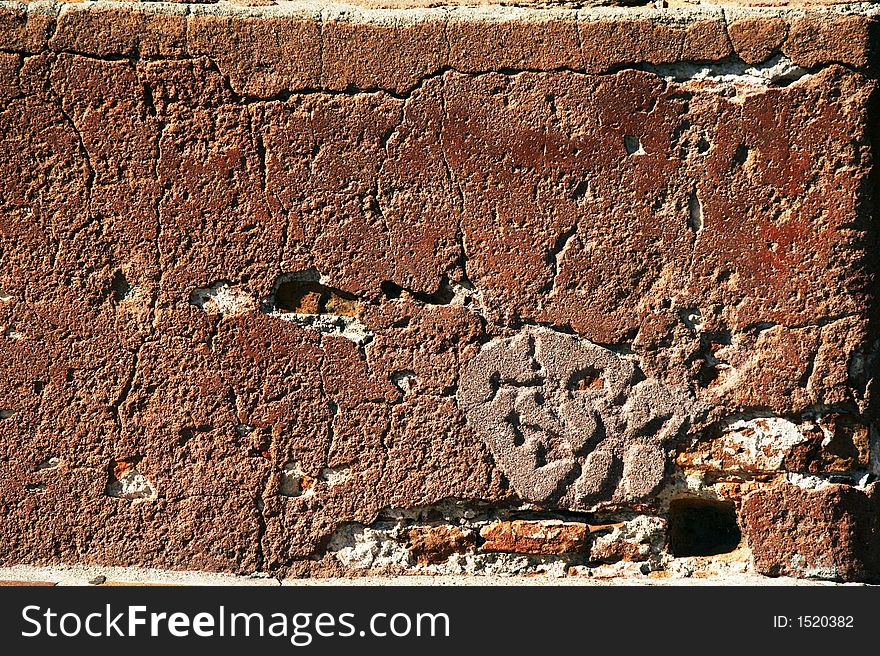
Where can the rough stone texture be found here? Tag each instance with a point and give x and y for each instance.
(435, 544)
(830, 532)
(267, 272)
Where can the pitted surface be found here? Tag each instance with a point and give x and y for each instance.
(276, 261)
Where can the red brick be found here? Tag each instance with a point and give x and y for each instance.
(535, 537)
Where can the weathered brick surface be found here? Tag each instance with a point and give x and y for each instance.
(547, 537)
(297, 266)
(825, 533)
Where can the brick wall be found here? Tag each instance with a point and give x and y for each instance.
(316, 290)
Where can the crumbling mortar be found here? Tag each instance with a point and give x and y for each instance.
(384, 539)
(662, 70)
(810, 413)
(681, 483)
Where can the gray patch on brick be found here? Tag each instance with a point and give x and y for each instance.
(572, 422)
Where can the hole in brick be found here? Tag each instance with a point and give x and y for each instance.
(695, 212)
(302, 299)
(586, 379)
(39, 386)
(125, 482)
(5, 296)
(404, 380)
(119, 468)
(540, 456)
(391, 289)
(741, 154)
(36, 488)
(6, 413)
(294, 482)
(311, 297)
(713, 366)
(703, 145)
(120, 287)
(633, 145)
(708, 376)
(184, 436)
(445, 294)
(581, 190)
(653, 427)
(48, 463)
(186, 433)
(702, 527)
(691, 318)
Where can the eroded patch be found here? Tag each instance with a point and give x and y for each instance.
(303, 298)
(572, 422)
(221, 298)
(124, 481)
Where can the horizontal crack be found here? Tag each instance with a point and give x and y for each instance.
(672, 72)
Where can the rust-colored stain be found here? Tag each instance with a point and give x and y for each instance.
(118, 468)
